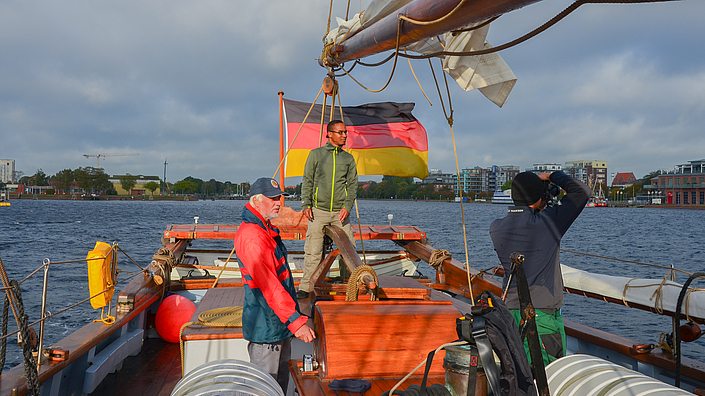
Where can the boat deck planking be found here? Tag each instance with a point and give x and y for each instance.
(311, 385)
(155, 371)
(216, 298)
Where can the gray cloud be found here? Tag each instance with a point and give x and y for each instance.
(197, 83)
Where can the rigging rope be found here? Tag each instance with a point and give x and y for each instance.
(297, 134)
(426, 23)
(449, 118)
(531, 34)
(627, 261)
(223, 269)
(419, 83)
(396, 57)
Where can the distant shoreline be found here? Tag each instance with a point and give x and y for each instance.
(176, 198)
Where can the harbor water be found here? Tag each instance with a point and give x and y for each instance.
(34, 230)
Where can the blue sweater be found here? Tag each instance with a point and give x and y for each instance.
(537, 235)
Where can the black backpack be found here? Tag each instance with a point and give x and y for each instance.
(491, 327)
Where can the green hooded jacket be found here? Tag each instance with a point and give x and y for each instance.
(330, 179)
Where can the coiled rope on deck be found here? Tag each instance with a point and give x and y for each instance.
(216, 317)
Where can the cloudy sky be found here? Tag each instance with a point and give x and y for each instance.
(196, 82)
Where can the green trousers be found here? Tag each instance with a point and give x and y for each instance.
(549, 324)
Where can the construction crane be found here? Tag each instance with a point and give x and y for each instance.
(97, 156)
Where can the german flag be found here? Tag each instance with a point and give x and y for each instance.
(385, 138)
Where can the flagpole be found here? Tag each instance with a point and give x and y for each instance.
(281, 141)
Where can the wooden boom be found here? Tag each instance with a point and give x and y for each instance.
(382, 35)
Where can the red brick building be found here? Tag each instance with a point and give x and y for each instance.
(685, 185)
(623, 179)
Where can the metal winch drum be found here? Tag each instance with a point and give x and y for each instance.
(590, 375)
(227, 377)
(457, 368)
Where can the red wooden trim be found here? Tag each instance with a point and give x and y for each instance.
(288, 232)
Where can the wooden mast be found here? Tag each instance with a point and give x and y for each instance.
(382, 35)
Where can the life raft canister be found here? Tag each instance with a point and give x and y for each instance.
(100, 270)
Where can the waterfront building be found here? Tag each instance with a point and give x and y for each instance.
(7, 171)
(478, 180)
(498, 175)
(440, 179)
(541, 168)
(684, 185)
(624, 179)
(472, 180)
(591, 173)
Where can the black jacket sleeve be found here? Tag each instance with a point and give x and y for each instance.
(577, 195)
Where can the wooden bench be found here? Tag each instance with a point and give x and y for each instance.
(203, 344)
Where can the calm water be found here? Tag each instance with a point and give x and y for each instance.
(31, 231)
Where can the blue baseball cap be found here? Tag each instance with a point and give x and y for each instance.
(267, 187)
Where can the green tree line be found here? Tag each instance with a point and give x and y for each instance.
(95, 180)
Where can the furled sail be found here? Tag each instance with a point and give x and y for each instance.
(369, 32)
(658, 294)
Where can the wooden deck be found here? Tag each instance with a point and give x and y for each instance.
(155, 371)
(311, 385)
(215, 298)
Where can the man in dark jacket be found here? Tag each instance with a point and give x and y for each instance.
(535, 231)
(271, 313)
(328, 191)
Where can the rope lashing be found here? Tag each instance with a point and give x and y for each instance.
(657, 296)
(438, 256)
(357, 279)
(216, 317)
(165, 255)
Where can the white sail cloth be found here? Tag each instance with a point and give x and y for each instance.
(662, 295)
(487, 73)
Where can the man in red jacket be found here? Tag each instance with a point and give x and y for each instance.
(271, 313)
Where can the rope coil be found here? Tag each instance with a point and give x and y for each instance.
(356, 280)
(438, 256)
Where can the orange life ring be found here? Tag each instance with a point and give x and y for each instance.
(100, 274)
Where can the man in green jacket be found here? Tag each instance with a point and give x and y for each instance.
(328, 191)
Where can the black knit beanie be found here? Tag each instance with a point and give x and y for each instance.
(527, 189)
